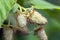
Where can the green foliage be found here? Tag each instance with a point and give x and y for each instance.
(45, 7)
(5, 7)
(24, 3)
(40, 4)
(43, 4)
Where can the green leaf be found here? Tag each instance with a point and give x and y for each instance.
(5, 7)
(24, 3)
(42, 4)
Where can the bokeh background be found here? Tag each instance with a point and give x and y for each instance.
(49, 9)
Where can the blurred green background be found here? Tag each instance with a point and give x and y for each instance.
(49, 9)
